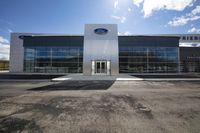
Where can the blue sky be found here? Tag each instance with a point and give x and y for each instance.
(69, 17)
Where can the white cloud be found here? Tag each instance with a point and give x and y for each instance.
(183, 20)
(125, 33)
(116, 4)
(121, 10)
(149, 6)
(194, 30)
(4, 49)
(122, 19)
(3, 40)
(138, 2)
(9, 30)
(196, 10)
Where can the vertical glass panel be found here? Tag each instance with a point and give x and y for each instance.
(97, 67)
(103, 67)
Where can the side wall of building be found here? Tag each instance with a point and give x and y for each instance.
(16, 53)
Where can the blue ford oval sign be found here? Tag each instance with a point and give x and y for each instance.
(23, 36)
(101, 31)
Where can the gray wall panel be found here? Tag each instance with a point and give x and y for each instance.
(16, 53)
(100, 47)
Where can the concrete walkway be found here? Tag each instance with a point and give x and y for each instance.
(80, 77)
(3, 71)
(120, 77)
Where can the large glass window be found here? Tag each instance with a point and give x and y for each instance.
(190, 64)
(53, 59)
(148, 60)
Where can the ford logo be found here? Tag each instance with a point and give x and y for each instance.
(23, 36)
(101, 31)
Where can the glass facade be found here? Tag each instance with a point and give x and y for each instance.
(137, 54)
(190, 59)
(53, 59)
(148, 59)
(190, 66)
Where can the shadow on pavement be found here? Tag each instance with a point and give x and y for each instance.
(27, 76)
(76, 85)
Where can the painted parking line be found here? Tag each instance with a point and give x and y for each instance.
(129, 79)
(172, 79)
(61, 79)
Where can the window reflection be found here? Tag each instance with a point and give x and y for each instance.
(52, 59)
(148, 60)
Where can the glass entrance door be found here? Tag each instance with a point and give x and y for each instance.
(100, 67)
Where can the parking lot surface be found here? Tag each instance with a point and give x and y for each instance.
(10, 76)
(100, 106)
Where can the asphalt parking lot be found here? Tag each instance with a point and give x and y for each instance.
(100, 106)
(10, 76)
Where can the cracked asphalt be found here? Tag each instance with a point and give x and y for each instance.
(100, 107)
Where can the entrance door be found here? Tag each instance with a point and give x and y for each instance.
(101, 67)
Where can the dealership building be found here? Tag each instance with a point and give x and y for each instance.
(101, 51)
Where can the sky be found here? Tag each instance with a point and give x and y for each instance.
(70, 16)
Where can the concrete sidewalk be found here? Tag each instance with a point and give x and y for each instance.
(3, 71)
(80, 77)
(120, 77)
